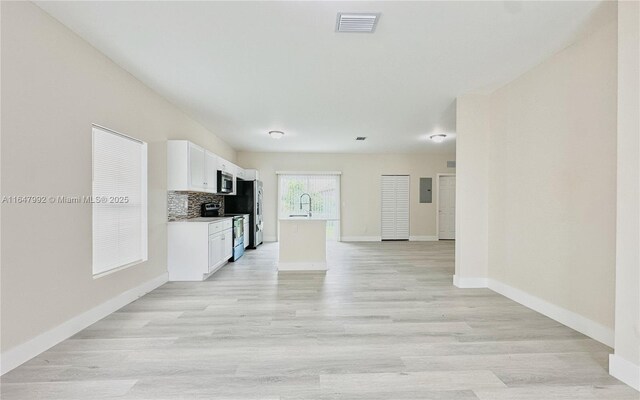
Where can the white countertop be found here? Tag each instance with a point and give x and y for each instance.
(201, 219)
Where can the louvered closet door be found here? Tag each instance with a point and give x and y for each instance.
(388, 187)
(395, 207)
(402, 207)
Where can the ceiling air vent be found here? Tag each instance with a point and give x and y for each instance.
(357, 22)
(361, 138)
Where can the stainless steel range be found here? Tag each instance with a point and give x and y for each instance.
(238, 237)
(213, 210)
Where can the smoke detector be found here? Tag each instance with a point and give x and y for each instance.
(357, 22)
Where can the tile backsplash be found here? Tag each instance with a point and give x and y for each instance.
(182, 205)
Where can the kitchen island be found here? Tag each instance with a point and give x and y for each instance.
(303, 244)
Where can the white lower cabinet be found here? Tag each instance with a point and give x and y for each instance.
(215, 250)
(228, 244)
(198, 249)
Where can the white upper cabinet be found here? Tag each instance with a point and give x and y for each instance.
(233, 169)
(190, 167)
(250, 175)
(197, 178)
(240, 172)
(211, 171)
(193, 168)
(224, 165)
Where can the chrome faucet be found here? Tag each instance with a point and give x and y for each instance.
(301, 204)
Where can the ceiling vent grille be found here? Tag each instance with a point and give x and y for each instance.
(357, 22)
(361, 138)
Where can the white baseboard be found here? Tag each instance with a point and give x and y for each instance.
(423, 238)
(22, 353)
(571, 319)
(361, 239)
(624, 371)
(269, 239)
(566, 317)
(470, 283)
(378, 239)
(301, 266)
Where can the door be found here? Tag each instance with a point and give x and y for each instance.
(196, 167)
(395, 207)
(388, 188)
(446, 207)
(402, 207)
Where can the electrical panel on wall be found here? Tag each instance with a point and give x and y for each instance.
(426, 193)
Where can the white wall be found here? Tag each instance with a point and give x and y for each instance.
(551, 185)
(625, 363)
(553, 182)
(472, 149)
(360, 187)
(54, 86)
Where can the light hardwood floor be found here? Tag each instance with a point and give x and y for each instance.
(383, 323)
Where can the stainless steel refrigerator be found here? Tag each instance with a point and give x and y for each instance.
(248, 200)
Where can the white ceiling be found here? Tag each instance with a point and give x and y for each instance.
(244, 68)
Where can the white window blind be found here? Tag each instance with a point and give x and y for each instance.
(323, 200)
(119, 194)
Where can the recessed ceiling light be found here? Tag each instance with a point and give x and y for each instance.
(438, 137)
(276, 134)
(357, 22)
(361, 138)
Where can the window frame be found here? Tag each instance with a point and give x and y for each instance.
(337, 221)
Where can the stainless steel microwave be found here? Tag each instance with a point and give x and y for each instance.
(225, 182)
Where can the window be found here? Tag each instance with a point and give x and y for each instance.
(119, 200)
(319, 193)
